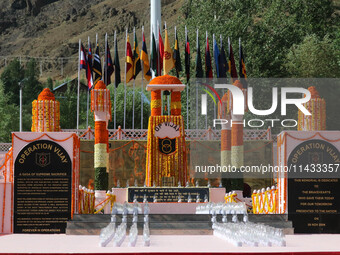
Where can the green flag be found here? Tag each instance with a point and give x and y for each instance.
(199, 69)
(116, 66)
(136, 58)
(154, 56)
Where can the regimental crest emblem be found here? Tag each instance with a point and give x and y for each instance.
(315, 157)
(167, 145)
(43, 159)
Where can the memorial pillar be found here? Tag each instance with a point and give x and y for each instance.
(101, 106)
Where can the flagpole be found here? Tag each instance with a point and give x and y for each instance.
(206, 43)
(88, 90)
(159, 67)
(158, 56)
(78, 85)
(186, 42)
(134, 84)
(96, 39)
(168, 98)
(142, 86)
(214, 49)
(196, 85)
(105, 62)
(115, 89)
(221, 44)
(125, 79)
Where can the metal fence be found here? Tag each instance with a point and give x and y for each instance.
(141, 134)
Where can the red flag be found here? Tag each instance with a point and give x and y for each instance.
(208, 67)
(129, 61)
(231, 64)
(161, 52)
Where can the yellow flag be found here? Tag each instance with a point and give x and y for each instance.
(168, 60)
(129, 61)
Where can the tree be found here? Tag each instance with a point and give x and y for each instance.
(313, 57)
(268, 29)
(129, 108)
(9, 116)
(49, 83)
(11, 76)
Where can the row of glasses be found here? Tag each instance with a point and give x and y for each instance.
(146, 234)
(106, 234)
(146, 230)
(133, 235)
(120, 234)
(250, 234)
(222, 208)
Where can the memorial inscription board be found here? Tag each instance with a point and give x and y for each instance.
(167, 194)
(42, 188)
(313, 203)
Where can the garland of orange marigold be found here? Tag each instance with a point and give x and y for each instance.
(45, 113)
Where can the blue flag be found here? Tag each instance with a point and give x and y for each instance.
(216, 57)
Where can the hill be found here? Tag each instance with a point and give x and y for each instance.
(49, 30)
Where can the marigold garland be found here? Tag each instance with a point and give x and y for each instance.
(165, 79)
(45, 113)
(317, 107)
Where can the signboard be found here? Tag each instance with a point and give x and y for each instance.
(313, 192)
(42, 188)
(167, 194)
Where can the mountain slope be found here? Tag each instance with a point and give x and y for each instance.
(49, 30)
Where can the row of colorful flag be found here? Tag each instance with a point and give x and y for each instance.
(162, 57)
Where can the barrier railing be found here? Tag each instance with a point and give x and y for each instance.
(191, 134)
(265, 201)
(5, 147)
(87, 200)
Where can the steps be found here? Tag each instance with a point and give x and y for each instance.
(169, 224)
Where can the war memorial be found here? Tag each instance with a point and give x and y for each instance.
(232, 188)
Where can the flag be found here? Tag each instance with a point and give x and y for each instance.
(129, 61)
(89, 57)
(108, 65)
(242, 67)
(168, 60)
(82, 60)
(136, 58)
(144, 57)
(208, 67)
(216, 58)
(222, 63)
(84, 64)
(116, 65)
(177, 57)
(160, 52)
(154, 56)
(187, 58)
(199, 69)
(97, 66)
(231, 63)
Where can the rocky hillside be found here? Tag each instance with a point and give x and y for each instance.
(49, 30)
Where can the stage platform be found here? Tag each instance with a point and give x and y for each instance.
(171, 224)
(189, 244)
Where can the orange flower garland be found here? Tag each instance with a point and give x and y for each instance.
(45, 113)
(317, 107)
(165, 79)
(176, 106)
(156, 104)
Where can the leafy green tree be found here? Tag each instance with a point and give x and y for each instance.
(49, 83)
(268, 29)
(32, 86)
(129, 108)
(11, 76)
(9, 116)
(313, 57)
